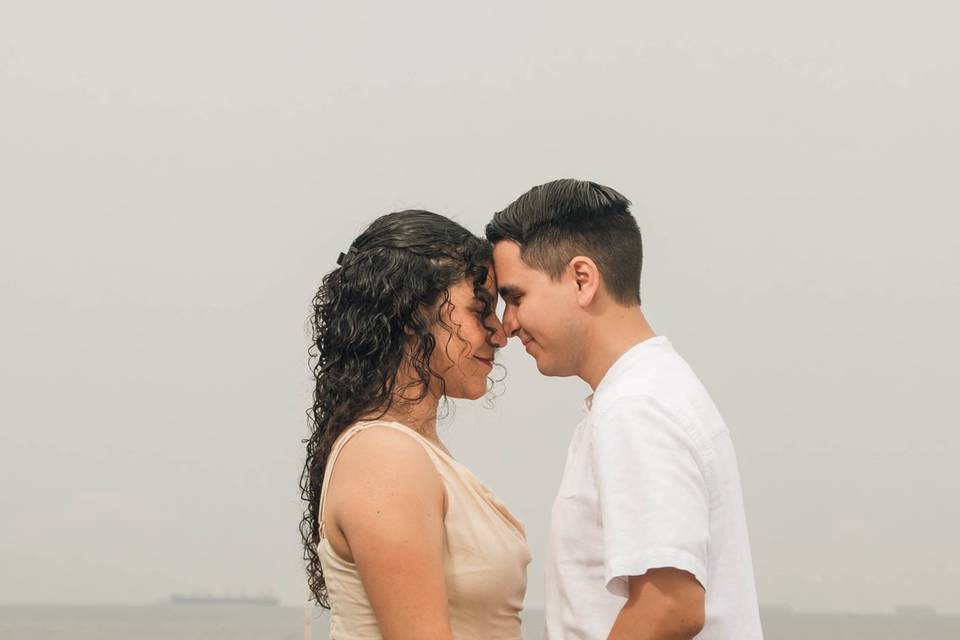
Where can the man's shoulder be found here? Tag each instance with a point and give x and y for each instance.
(658, 374)
(662, 382)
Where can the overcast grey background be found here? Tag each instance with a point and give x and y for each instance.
(176, 177)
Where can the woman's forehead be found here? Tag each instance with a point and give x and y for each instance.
(464, 289)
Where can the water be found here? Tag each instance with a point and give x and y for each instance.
(152, 622)
(784, 625)
(172, 622)
(237, 622)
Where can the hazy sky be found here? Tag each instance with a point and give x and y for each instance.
(176, 177)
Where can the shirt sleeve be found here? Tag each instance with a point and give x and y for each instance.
(654, 502)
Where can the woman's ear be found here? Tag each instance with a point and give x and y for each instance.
(586, 277)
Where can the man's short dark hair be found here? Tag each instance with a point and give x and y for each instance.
(558, 220)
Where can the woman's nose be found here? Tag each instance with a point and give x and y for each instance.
(499, 337)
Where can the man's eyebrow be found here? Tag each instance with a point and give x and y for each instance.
(509, 291)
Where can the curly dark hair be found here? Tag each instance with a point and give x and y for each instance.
(369, 314)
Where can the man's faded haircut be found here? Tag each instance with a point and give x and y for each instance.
(558, 220)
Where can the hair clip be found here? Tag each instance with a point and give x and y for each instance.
(340, 258)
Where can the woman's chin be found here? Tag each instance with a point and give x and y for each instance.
(470, 392)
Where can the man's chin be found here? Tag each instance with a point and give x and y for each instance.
(543, 366)
(551, 369)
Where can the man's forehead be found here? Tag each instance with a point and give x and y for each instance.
(506, 248)
(508, 266)
(506, 258)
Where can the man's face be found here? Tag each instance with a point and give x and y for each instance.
(541, 312)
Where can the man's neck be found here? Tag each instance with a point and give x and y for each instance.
(612, 335)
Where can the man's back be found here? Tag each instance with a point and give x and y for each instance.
(650, 481)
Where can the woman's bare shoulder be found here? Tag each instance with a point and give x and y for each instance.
(380, 458)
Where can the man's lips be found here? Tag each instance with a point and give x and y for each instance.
(486, 361)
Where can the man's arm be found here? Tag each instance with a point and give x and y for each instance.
(663, 604)
(655, 510)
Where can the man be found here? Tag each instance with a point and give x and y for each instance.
(648, 538)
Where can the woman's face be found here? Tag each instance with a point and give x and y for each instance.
(465, 346)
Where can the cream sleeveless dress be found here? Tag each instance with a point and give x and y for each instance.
(485, 557)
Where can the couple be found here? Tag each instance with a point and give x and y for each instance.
(647, 537)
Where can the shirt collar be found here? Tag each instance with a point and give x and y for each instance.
(624, 361)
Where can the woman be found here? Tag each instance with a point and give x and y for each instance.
(401, 541)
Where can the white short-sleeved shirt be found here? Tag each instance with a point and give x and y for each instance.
(650, 481)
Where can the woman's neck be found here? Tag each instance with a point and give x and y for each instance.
(418, 414)
(407, 408)
(421, 417)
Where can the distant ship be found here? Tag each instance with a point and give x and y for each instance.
(261, 601)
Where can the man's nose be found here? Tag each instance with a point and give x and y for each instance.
(510, 324)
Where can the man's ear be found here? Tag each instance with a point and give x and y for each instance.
(586, 277)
